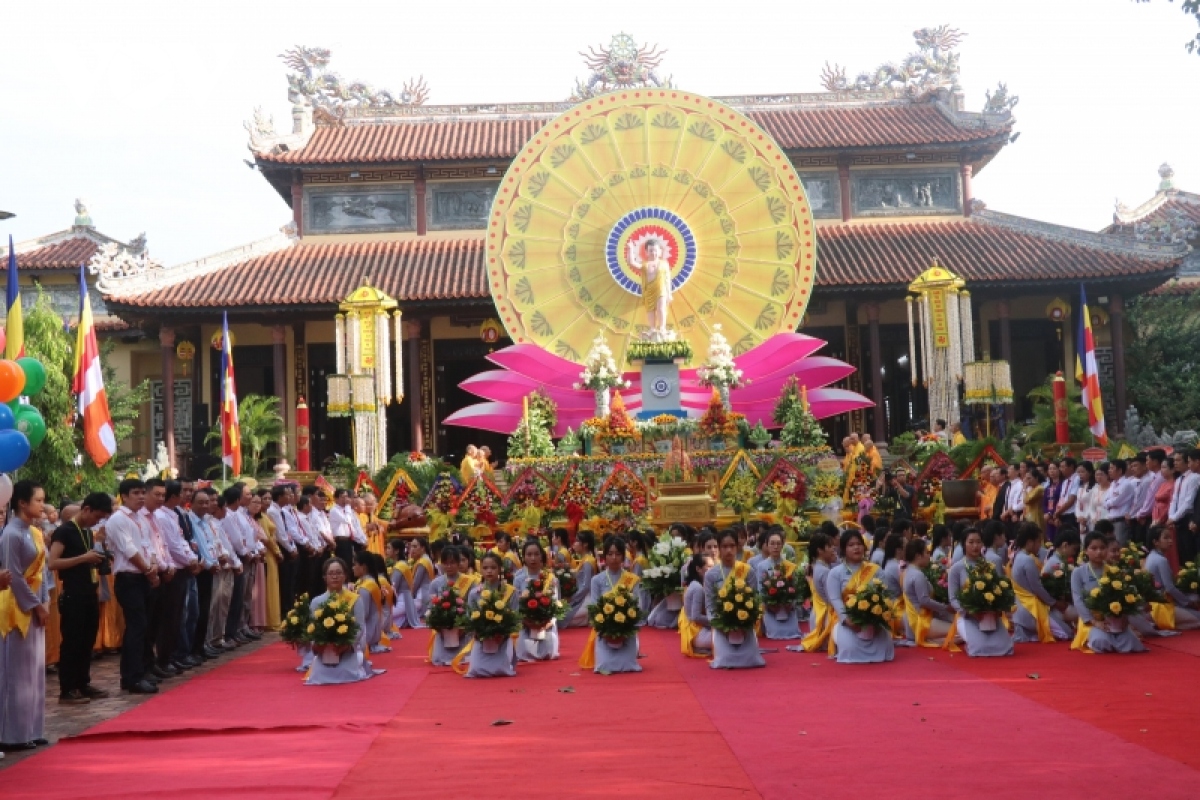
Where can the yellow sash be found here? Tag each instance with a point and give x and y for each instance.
(1082, 629)
(587, 659)
(11, 615)
(1037, 609)
(857, 581)
(428, 565)
(823, 620)
(688, 631)
(405, 571)
(1163, 615)
(457, 663)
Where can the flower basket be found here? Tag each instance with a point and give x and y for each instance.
(333, 629)
(491, 645)
(1114, 599)
(615, 616)
(330, 655)
(489, 618)
(868, 609)
(615, 642)
(985, 593)
(736, 608)
(867, 634)
(451, 638)
(736, 637)
(987, 622)
(1116, 624)
(538, 605)
(662, 577)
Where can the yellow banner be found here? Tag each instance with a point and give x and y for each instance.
(366, 327)
(937, 310)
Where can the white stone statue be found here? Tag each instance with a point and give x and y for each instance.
(655, 273)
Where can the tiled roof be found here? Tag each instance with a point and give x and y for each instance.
(1163, 205)
(795, 128)
(65, 254)
(321, 274)
(988, 249)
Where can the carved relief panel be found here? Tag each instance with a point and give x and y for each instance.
(459, 205)
(824, 194)
(905, 193)
(359, 209)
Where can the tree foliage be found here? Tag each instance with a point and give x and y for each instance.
(1163, 360)
(800, 427)
(261, 426)
(1192, 9)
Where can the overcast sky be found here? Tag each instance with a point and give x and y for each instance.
(138, 106)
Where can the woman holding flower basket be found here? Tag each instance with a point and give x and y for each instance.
(637, 563)
(779, 581)
(584, 567)
(539, 605)
(663, 580)
(981, 598)
(367, 581)
(926, 620)
(695, 630)
(337, 632)
(731, 597)
(447, 603)
(1177, 611)
(1102, 597)
(491, 618)
(822, 556)
(1038, 614)
(859, 599)
(613, 615)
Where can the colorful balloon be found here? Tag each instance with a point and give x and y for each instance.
(14, 450)
(35, 376)
(8, 419)
(12, 380)
(29, 422)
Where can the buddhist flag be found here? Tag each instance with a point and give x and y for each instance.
(99, 438)
(1087, 374)
(14, 345)
(231, 434)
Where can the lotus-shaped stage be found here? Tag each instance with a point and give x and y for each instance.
(527, 367)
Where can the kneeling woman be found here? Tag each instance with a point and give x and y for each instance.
(926, 621)
(779, 622)
(536, 643)
(1038, 616)
(979, 643)
(822, 557)
(727, 575)
(855, 645)
(353, 665)
(444, 645)
(584, 567)
(501, 661)
(1098, 635)
(1177, 611)
(603, 656)
(695, 631)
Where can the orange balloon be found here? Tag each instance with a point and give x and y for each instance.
(12, 380)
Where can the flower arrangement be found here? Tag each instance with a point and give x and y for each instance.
(1188, 579)
(825, 487)
(736, 607)
(679, 349)
(478, 504)
(618, 428)
(333, 627)
(537, 604)
(741, 493)
(929, 491)
(665, 426)
(717, 423)
(489, 617)
(985, 592)
(615, 616)
(800, 427)
(295, 624)
(759, 436)
(600, 369)
(1057, 582)
(445, 608)
(664, 575)
(779, 591)
(1131, 562)
(938, 575)
(442, 495)
(567, 585)
(868, 609)
(574, 496)
(720, 371)
(1115, 596)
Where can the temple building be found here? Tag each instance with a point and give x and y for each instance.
(386, 189)
(1171, 216)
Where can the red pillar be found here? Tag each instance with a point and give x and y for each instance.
(166, 341)
(844, 182)
(1116, 312)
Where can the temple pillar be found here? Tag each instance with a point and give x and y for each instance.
(166, 341)
(279, 367)
(879, 426)
(298, 203)
(1116, 313)
(419, 191)
(844, 183)
(1010, 411)
(966, 171)
(412, 335)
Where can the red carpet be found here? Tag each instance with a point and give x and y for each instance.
(927, 724)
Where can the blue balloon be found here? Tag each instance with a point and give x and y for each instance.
(14, 450)
(7, 419)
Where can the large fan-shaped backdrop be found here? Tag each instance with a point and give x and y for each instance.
(619, 169)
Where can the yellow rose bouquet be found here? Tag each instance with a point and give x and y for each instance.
(333, 629)
(1114, 599)
(986, 594)
(736, 607)
(294, 630)
(615, 617)
(1188, 579)
(490, 616)
(868, 608)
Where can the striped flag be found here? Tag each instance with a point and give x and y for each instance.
(14, 344)
(1087, 374)
(231, 434)
(99, 438)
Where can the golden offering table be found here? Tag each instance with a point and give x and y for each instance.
(688, 502)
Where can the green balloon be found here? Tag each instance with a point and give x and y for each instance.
(35, 376)
(30, 422)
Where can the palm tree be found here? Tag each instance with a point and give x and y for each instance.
(261, 426)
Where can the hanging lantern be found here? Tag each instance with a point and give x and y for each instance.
(339, 396)
(946, 336)
(397, 319)
(362, 393)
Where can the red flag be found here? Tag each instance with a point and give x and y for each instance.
(99, 438)
(231, 433)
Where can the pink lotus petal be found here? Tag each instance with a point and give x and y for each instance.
(777, 352)
(814, 373)
(510, 387)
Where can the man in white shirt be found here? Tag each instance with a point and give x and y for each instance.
(1065, 513)
(231, 526)
(225, 581)
(210, 567)
(340, 526)
(1014, 504)
(182, 560)
(1183, 508)
(287, 535)
(135, 572)
(255, 550)
(1152, 480)
(1119, 500)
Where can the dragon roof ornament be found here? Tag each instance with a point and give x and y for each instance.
(622, 65)
(931, 69)
(311, 84)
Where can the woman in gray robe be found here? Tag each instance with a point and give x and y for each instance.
(353, 665)
(1103, 636)
(373, 633)
(535, 645)
(1025, 573)
(442, 653)
(918, 595)
(1162, 540)
(23, 656)
(726, 654)
(402, 588)
(610, 657)
(782, 622)
(852, 648)
(585, 550)
(979, 643)
(502, 661)
(694, 607)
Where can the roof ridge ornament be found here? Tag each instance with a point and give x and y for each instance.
(621, 65)
(932, 68)
(327, 96)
